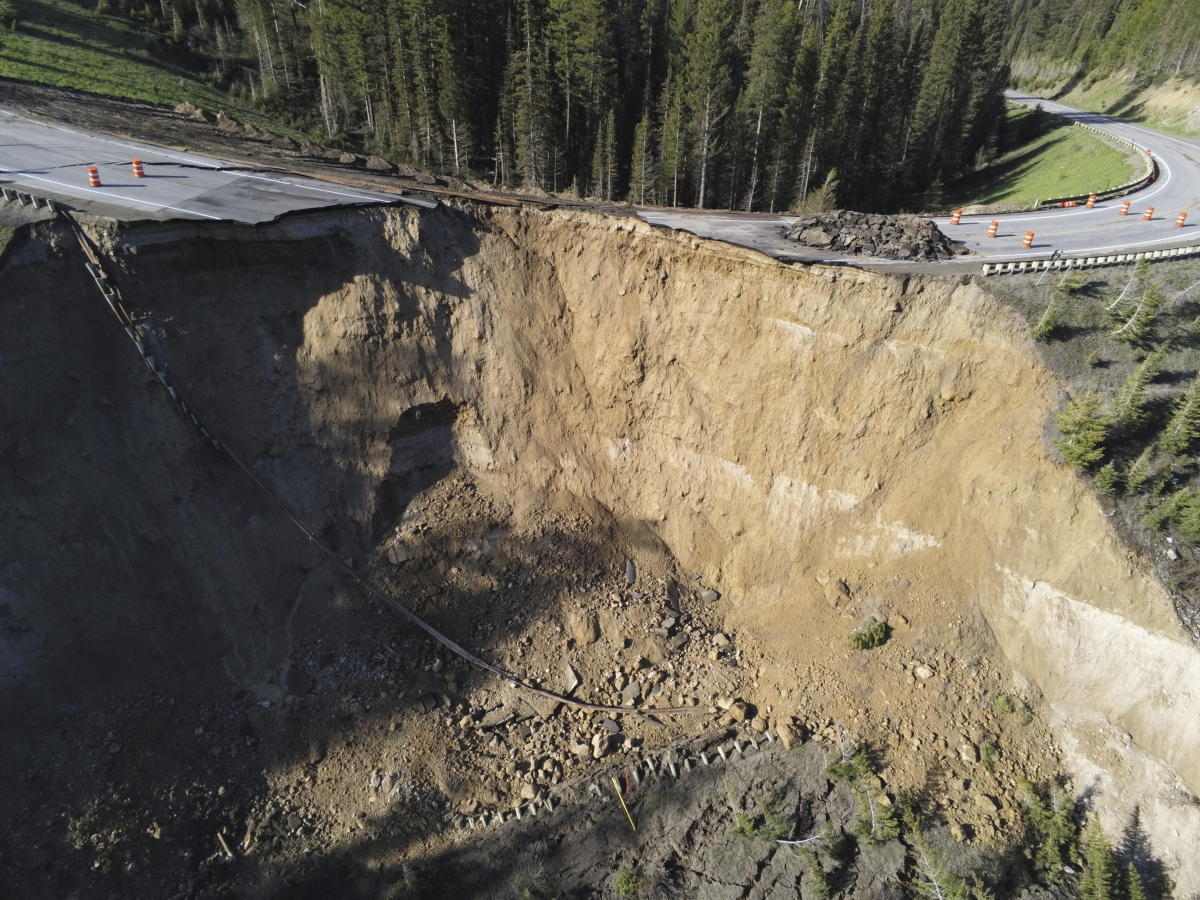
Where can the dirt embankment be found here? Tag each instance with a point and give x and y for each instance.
(492, 409)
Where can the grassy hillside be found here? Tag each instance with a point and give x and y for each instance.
(62, 43)
(1054, 160)
(1172, 106)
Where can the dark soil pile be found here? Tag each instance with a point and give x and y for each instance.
(868, 234)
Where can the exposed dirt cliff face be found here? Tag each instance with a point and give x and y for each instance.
(817, 445)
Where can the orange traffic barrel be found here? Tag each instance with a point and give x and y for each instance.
(1148, 214)
(955, 216)
(1125, 204)
(93, 177)
(1091, 201)
(1179, 219)
(1028, 242)
(138, 171)
(993, 227)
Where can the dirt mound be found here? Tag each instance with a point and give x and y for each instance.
(687, 473)
(870, 234)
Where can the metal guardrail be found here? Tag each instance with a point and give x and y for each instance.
(10, 195)
(1087, 262)
(1148, 177)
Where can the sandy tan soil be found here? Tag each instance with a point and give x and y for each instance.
(566, 440)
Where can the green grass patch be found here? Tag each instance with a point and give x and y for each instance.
(1058, 162)
(872, 634)
(67, 45)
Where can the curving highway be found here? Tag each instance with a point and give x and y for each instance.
(1103, 229)
(1073, 231)
(51, 160)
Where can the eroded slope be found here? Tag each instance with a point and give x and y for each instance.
(818, 445)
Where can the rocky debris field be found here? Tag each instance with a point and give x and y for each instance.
(381, 762)
(869, 234)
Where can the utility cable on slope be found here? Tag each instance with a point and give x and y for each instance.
(112, 298)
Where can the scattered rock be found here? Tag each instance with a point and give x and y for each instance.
(968, 752)
(571, 679)
(631, 693)
(378, 164)
(987, 803)
(788, 736)
(741, 711)
(227, 124)
(708, 595)
(923, 672)
(630, 572)
(495, 717)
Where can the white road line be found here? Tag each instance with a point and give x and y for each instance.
(1125, 248)
(70, 188)
(378, 198)
(1000, 217)
(199, 161)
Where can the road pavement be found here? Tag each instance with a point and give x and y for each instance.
(51, 160)
(1075, 231)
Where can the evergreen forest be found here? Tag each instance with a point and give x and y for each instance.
(1057, 40)
(745, 104)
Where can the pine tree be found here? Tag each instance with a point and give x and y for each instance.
(877, 820)
(1128, 412)
(1137, 327)
(825, 128)
(706, 82)
(1184, 427)
(1044, 329)
(1101, 876)
(941, 103)
(1135, 888)
(534, 141)
(672, 168)
(1105, 482)
(580, 34)
(1053, 824)
(1139, 470)
(641, 166)
(763, 99)
(816, 881)
(1082, 428)
(933, 879)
